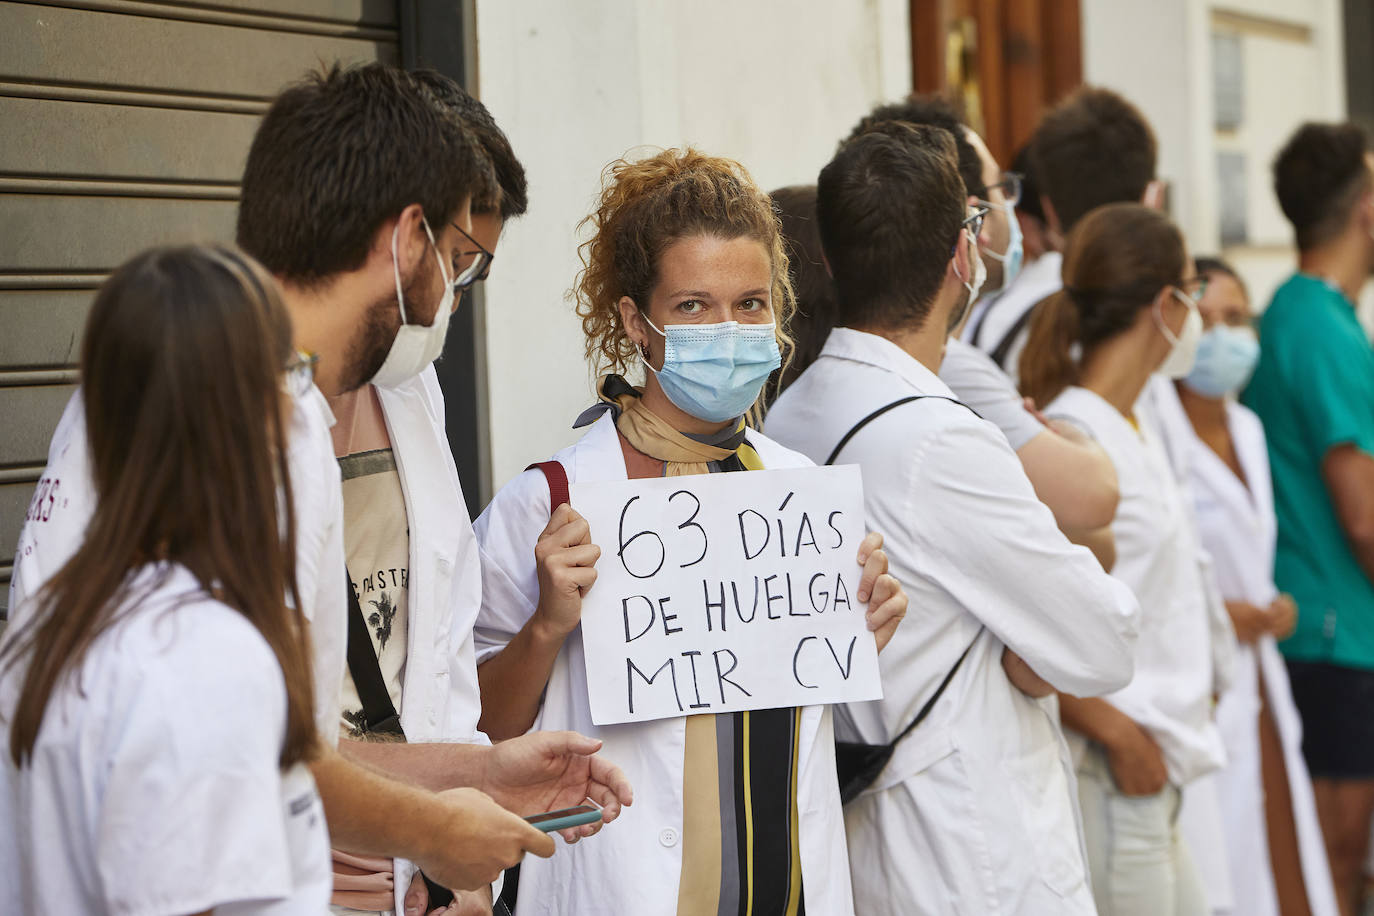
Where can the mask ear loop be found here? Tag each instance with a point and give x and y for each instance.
(1010, 211)
(396, 263)
(973, 252)
(643, 349)
(396, 271)
(437, 256)
(1157, 313)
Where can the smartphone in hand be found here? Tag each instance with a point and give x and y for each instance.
(564, 818)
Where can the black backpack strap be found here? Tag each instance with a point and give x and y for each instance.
(1000, 352)
(379, 715)
(835, 452)
(974, 333)
(939, 691)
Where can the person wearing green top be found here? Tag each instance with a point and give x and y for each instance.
(1314, 390)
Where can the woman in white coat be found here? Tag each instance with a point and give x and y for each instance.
(156, 697)
(686, 272)
(1127, 311)
(1272, 837)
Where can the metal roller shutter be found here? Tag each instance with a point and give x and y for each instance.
(125, 124)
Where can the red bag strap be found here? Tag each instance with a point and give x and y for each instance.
(557, 476)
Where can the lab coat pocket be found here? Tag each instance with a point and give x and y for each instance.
(913, 755)
(919, 833)
(1041, 790)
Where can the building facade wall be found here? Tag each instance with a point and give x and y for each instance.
(578, 85)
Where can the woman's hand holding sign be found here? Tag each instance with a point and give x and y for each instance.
(881, 592)
(566, 559)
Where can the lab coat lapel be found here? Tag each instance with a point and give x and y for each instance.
(438, 519)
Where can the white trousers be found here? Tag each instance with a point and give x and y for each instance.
(1139, 863)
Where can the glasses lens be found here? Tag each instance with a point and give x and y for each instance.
(974, 222)
(1195, 288)
(474, 271)
(1011, 188)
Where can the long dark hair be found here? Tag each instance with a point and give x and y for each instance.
(815, 315)
(185, 420)
(1118, 259)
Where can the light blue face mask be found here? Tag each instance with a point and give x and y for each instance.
(1226, 358)
(1016, 246)
(715, 371)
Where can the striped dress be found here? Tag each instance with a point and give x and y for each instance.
(741, 853)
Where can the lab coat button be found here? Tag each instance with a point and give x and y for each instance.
(668, 836)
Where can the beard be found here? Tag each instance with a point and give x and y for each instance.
(377, 331)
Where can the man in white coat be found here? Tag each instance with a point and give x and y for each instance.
(1071, 473)
(1091, 149)
(974, 812)
(333, 253)
(371, 293)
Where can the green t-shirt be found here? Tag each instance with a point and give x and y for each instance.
(1314, 390)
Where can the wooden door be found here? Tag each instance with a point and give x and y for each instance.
(1006, 60)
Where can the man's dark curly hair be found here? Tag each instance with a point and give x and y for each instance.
(1318, 177)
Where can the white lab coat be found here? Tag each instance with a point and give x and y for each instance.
(976, 812)
(1238, 528)
(440, 699)
(439, 695)
(634, 865)
(1040, 278)
(1158, 556)
(58, 526)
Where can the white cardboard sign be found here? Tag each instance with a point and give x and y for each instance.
(725, 592)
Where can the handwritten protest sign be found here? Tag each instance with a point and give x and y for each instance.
(725, 592)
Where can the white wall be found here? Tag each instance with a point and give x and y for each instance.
(575, 85)
(1159, 55)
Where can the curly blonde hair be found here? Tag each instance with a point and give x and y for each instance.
(645, 206)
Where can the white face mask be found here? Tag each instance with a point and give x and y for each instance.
(415, 346)
(980, 272)
(1180, 360)
(973, 285)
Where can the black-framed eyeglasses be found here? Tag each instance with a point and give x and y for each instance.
(1194, 288)
(972, 223)
(477, 268)
(1010, 186)
(299, 372)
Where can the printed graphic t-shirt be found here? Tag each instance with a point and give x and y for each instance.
(376, 541)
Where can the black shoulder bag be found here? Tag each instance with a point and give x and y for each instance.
(379, 714)
(857, 764)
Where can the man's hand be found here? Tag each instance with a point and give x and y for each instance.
(465, 903)
(1136, 762)
(1022, 677)
(362, 882)
(474, 839)
(546, 771)
(565, 559)
(1283, 617)
(1249, 621)
(881, 592)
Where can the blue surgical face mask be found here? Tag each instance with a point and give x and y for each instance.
(1016, 247)
(1226, 358)
(715, 371)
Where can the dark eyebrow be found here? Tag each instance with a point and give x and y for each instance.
(690, 294)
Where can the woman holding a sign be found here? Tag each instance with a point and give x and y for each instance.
(737, 803)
